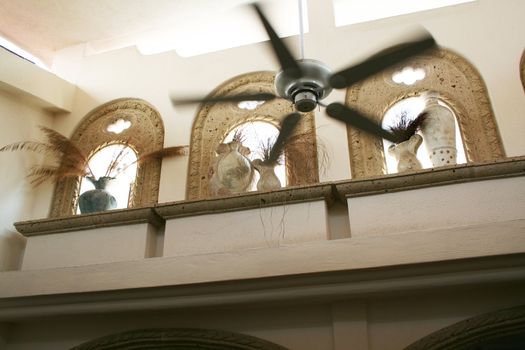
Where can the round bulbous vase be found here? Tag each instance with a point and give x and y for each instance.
(235, 171)
(405, 154)
(99, 199)
(268, 181)
(439, 133)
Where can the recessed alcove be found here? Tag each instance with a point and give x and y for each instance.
(459, 85)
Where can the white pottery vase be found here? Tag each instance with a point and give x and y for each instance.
(232, 171)
(268, 181)
(405, 154)
(439, 132)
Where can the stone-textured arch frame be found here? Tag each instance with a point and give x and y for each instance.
(145, 134)
(214, 121)
(459, 84)
(183, 339)
(474, 332)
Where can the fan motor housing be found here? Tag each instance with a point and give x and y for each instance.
(307, 90)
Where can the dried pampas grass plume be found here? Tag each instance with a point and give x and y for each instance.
(71, 161)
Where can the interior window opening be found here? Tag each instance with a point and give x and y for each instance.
(412, 107)
(118, 162)
(255, 135)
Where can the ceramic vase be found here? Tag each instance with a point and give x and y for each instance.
(439, 133)
(405, 154)
(268, 181)
(99, 199)
(233, 172)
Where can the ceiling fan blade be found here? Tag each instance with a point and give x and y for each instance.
(382, 60)
(288, 125)
(358, 120)
(263, 96)
(286, 59)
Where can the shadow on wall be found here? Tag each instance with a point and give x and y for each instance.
(12, 206)
(12, 245)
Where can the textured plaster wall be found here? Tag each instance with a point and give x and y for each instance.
(19, 200)
(378, 323)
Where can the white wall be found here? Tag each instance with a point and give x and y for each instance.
(19, 200)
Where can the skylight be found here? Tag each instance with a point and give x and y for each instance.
(229, 28)
(358, 11)
(15, 49)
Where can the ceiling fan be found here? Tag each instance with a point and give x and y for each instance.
(306, 82)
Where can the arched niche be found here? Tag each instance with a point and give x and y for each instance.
(493, 330)
(179, 339)
(145, 134)
(214, 121)
(459, 85)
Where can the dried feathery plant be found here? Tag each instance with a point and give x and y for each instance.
(298, 148)
(404, 128)
(265, 150)
(71, 161)
(174, 151)
(238, 136)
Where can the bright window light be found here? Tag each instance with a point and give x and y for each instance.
(118, 126)
(254, 134)
(8, 45)
(249, 105)
(408, 76)
(120, 187)
(358, 11)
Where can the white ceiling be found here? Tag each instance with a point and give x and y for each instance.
(42, 27)
(189, 27)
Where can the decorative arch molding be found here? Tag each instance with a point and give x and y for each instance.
(460, 86)
(476, 331)
(214, 121)
(145, 134)
(178, 339)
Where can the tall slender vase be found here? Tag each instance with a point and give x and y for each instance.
(405, 154)
(439, 132)
(99, 199)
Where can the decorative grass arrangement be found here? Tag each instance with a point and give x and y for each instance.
(238, 136)
(404, 128)
(71, 161)
(265, 148)
(299, 148)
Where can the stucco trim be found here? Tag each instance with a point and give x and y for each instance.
(179, 338)
(329, 192)
(476, 331)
